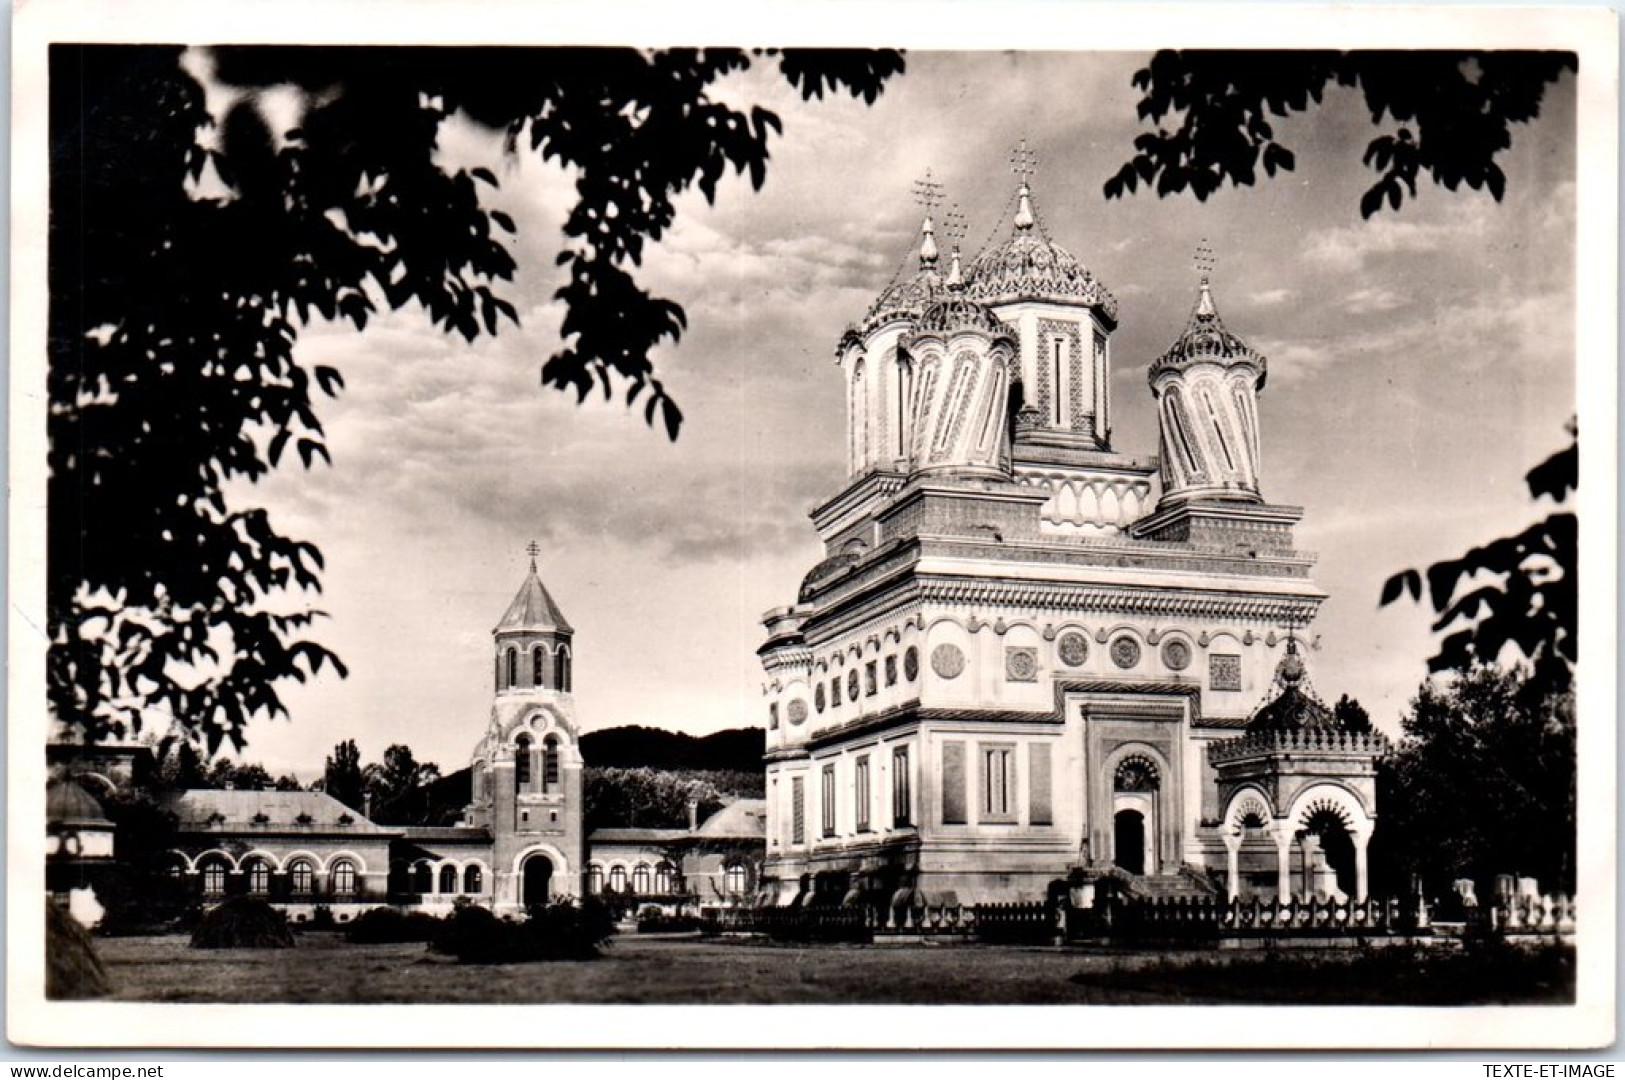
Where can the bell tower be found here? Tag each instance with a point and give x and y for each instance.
(526, 771)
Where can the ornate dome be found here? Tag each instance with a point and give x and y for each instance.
(957, 313)
(1029, 266)
(909, 297)
(1295, 708)
(1205, 340)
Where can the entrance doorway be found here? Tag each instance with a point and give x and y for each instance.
(1128, 840)
(1336, 848)
(538, 880)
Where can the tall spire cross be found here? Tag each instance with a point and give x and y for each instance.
(953, 223)
(1204, 259)
(928, 193)
(534, 549)
(1024, 162)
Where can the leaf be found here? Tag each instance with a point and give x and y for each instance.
(1407, 581)
(503, 221)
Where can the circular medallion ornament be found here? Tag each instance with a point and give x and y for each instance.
(947, 661)
(1176, 654)
(1021, 664)
(911, 664)
(818, 697)
(1074, 649)
(852, 684)
(1125, 652)
(796, 711)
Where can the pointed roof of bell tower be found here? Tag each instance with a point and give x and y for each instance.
(533, 608)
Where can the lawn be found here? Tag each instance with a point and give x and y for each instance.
(687, 970)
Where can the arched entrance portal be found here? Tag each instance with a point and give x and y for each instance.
(1136, 788)
(538, 880)
(1128, 839)
(1336, 850)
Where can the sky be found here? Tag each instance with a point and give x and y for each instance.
(1419, 364)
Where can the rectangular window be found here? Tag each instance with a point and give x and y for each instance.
(835, 690)
(1039, 806)
(891, 671)
(953, 783)
(902, 805)
(798, 811)
(998, 783)
(870, 686)
(828, 806)
(1059, 345)
(860, 783)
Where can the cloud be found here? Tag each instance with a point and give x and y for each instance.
(1270, 297)
(1372, 299)
(1348, 248)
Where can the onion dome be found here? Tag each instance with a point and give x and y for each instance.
(1029, 266)
(532, 608)
(912, 295)
(1295, 708)
(1206, 341)
(955, 314)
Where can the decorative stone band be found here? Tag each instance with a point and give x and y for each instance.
(1275, 610)
(1365, 744)
(1142, 698)
(792, 658)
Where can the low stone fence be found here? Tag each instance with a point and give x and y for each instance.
(1195, 918)
(978, 922)
(1176, 919)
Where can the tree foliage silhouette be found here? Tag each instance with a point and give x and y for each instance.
(1447, 115)
(1519, 591)
(1483, 781)
(183, 266)
(342, 777)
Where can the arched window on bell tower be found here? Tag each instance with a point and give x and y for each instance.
(513, 668)
(562, 672)
(550, 763)
(537, 664)
(521, 761)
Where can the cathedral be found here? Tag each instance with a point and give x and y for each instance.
(1026, 657)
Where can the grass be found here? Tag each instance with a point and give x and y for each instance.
(680, 970)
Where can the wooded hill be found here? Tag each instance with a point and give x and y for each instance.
(634, 776)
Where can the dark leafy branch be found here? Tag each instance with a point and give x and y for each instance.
(174, 312)
(1518, 590)
(1446, 115)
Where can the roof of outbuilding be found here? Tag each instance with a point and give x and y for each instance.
(67, 800)
(207, 808)
(741, 819)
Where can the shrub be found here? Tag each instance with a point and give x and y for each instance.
(661, 923)
(388, 926)
(557, 931)
(322, 919)
(141, 903)
(72, 968)
(243, 923)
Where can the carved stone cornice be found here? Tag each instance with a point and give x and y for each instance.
(1117, 600)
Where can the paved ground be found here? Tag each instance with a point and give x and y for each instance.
(685, 970)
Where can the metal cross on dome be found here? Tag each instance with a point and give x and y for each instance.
(953, 223)
(534, 549)
(928, 193)
(1024, 162)
(1204, 259)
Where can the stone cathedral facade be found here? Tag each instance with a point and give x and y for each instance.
(1026, 655)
